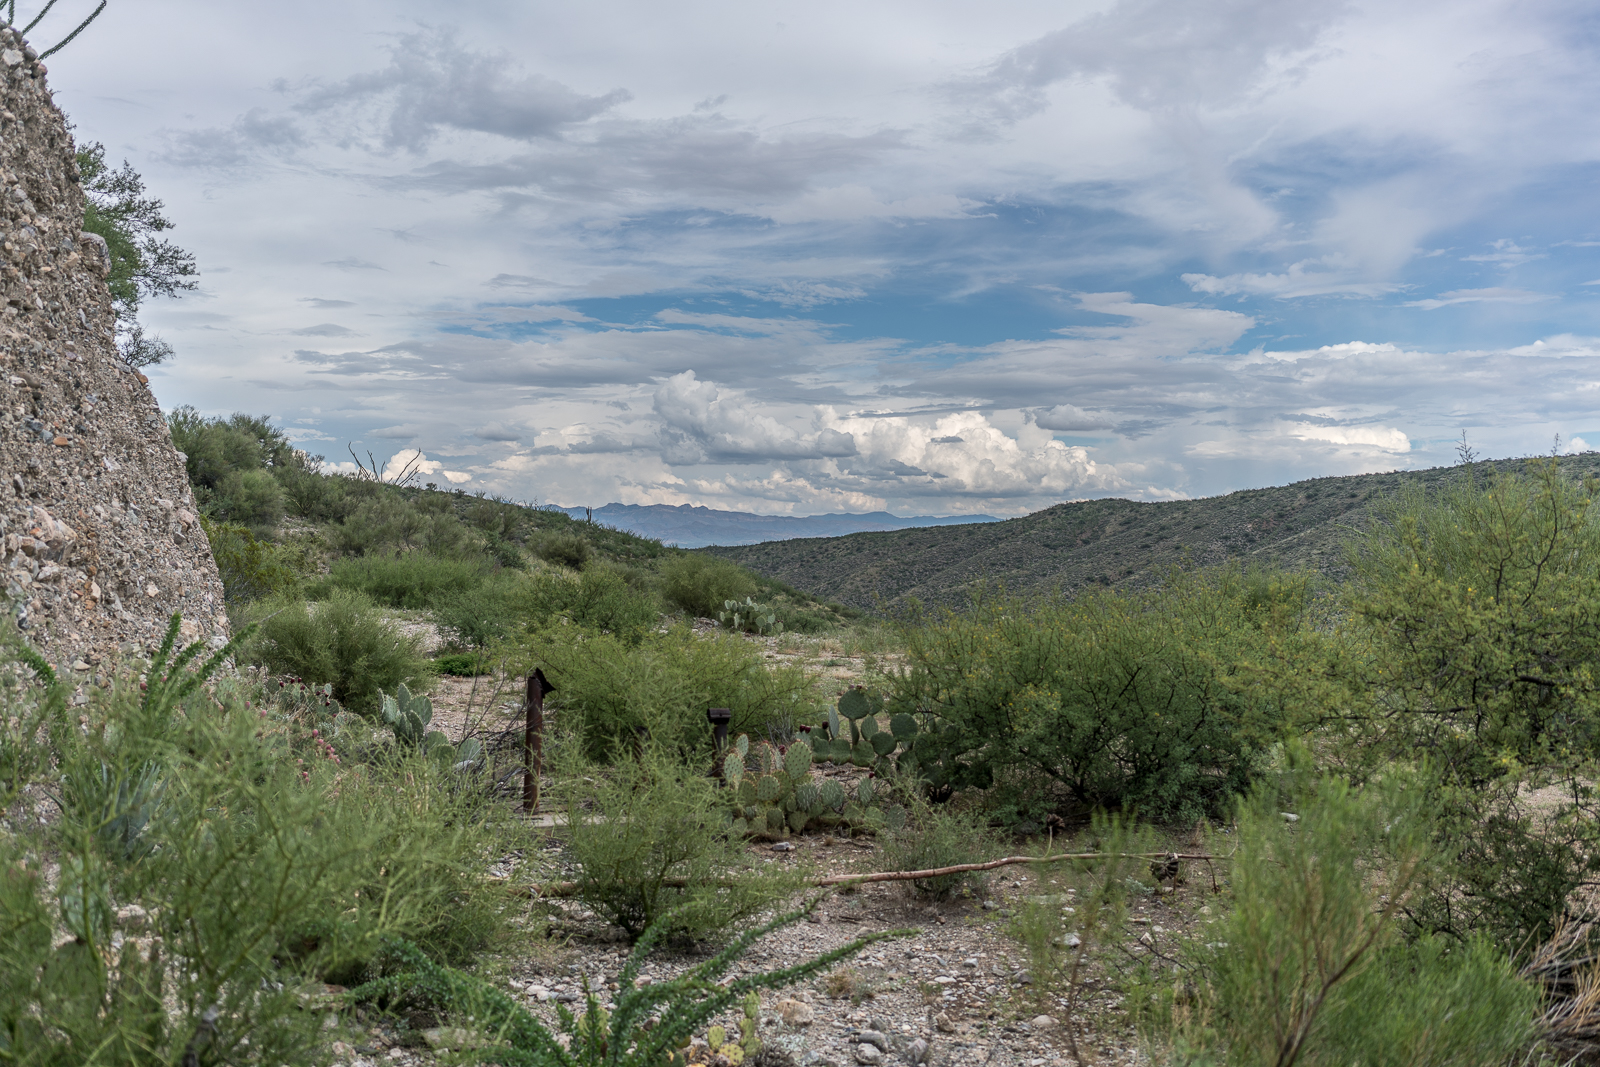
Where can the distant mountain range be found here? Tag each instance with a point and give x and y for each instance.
(692, 527)
(1102, 542)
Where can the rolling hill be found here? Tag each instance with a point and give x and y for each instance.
(684, 526)
(1097, 542)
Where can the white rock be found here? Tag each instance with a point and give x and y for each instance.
(1042, 1022)
(794, 1013)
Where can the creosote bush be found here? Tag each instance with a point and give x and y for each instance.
(662, 683)
(700, 584)
(1138, 701)
(343, 641)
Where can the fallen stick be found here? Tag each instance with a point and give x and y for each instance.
(567, 889)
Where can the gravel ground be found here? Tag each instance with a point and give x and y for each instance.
(954, 992)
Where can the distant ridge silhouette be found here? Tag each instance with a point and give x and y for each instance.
(696, 527)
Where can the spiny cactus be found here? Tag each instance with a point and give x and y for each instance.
(408, 716)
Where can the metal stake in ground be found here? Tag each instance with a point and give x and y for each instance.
(533, 740)
(719, 719)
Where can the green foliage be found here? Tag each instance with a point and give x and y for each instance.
(1473, 640)
(700, 584)
(409, 716)
(250, 568)
(511, 602)
(749, 617)
(647, 837)
(238, 466)
(1112, 700)
(930, 836)
(1311, 967)
(461, 664)
(115, 207)
(661, 683)
(652, 1024)
(567, 549)
(408, 580)
(343, 641)
(231, 874)
(389, 521)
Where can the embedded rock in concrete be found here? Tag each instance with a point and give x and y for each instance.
(99, 543)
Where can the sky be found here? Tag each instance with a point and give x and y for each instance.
(928, 257)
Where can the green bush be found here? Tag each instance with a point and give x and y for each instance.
(663, 684)
(1137, 701)
(408, 580)
(647, 836)
(251, 569)
(387, 520)
(567, 549)
(1473, 629)
(461, 664)
(511, 602)
(232, 875)
(700, 584)
(344, 641)
(1310, 966)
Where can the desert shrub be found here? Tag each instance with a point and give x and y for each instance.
(344, 641)
(662, 684)
(700, 584)
(510, 603)
(250, 568)
(1473, 629)
(1131, 701)
(388, 520)
(461, 664)
(648, 839)
(408, 580)
(933, 836)
(313, 495)
(240, 875)
(567, 549)
(251, 498)
(1311, 967)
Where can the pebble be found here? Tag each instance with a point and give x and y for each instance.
(869, 1055)
(944, 1024)
(918, 1051)
(1043, 1022)
(783, 846)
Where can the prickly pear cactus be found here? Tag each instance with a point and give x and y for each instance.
(408, 716)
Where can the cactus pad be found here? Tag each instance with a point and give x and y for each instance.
(797, 761)
(883, 743)
(807, 797)
(903, 726)
(865, 793)
(768, 789)
(853, 704)
(832, 794)
(733, 769)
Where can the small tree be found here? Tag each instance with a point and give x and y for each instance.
(142, 264)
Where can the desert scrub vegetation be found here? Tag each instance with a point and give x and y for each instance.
(1148, 701)
(206, 861)
(612, 688)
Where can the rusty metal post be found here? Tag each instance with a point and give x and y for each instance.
(719, 719)
(533, 740)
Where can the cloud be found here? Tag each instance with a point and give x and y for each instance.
(352, 263)
(434, 84)
(326, 305)
(251, 135)
(1480, 296)
(1505, 254)
(1067, 418)
(1320, 277)
(702, 422)
(413, 459)
(326, 329)
(805, 294)
(1159, 55)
